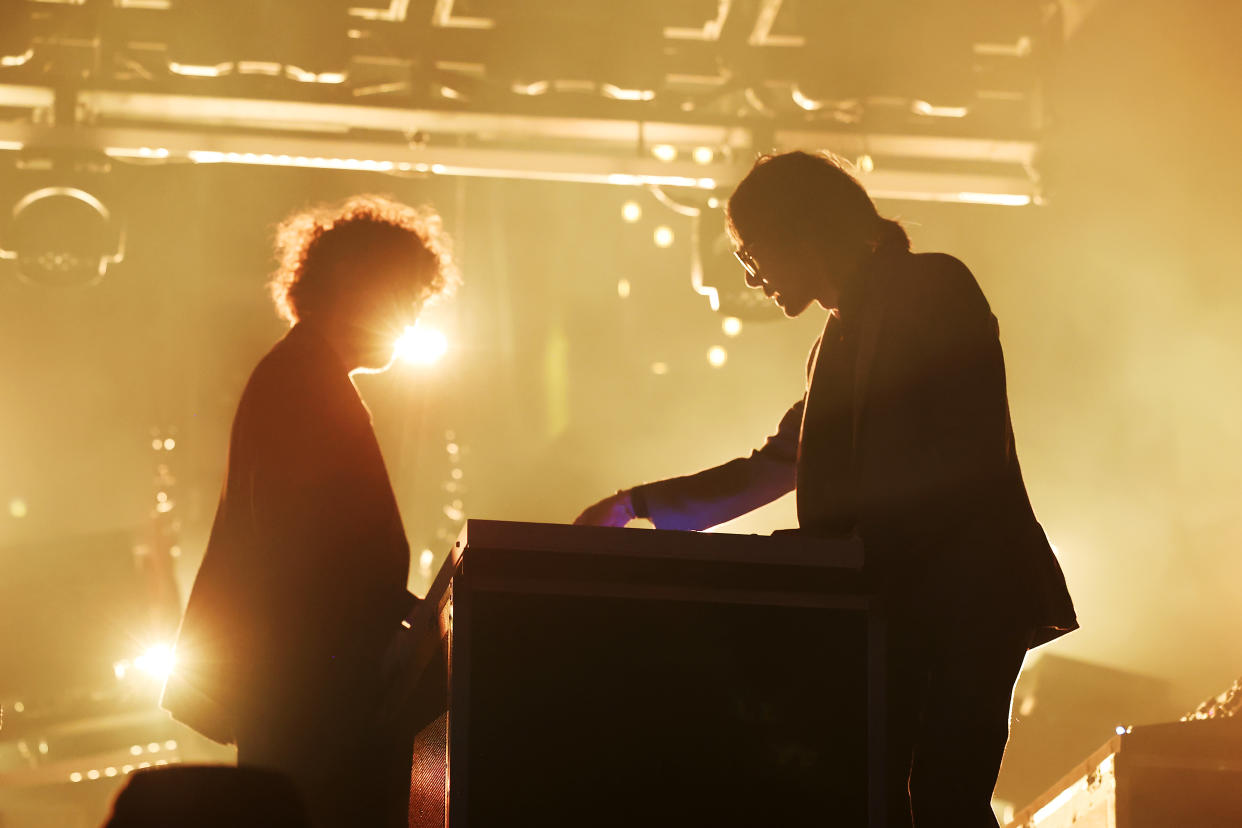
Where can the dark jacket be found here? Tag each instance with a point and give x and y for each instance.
(903, 438)
(304, 577)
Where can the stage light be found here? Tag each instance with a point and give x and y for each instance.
(18, 508)
(92, 774)
(421, 345)
(136, 152)
(536, 88)
(425, 560)
(619, 94)
(199, 70)
(157, 662)
(866, 163)
(623, 288)
(1000, 199)
(717, 356)
(631, 180)
(17, 60)
(924, 108)
(663, 236)
(704, 155)
(631, 212)
(664, 152)
(731, 325)
(75, 777)
(169, 444)
(659, 368)
(713, 202)
(62, 236)
(273, 160)
(803, 102)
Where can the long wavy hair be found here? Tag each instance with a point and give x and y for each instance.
(327, 251)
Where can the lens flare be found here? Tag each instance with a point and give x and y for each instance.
(421, 345)
(157, 662)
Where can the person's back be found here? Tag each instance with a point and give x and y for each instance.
(302, 586)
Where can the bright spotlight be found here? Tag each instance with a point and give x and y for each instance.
(631, 212)
(704, 155)
(421, 345)
(157, 662)
(664, 152)
(731, 325)
(717, 356)
(663, 236)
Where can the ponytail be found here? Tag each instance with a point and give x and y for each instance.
(891, 236)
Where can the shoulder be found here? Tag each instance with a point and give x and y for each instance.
(296, 384)
(939, 283)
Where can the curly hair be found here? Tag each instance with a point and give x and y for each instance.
(324, 251)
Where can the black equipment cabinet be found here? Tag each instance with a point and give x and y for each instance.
(593, 676)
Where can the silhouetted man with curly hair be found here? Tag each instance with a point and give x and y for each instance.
(303, 584)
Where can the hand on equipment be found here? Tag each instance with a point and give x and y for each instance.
(614, 510)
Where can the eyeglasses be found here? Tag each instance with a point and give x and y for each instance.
(748, 262)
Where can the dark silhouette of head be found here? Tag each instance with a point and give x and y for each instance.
(807, 225)
(367, 265)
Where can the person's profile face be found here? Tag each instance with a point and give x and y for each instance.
(784, 272)
(391, 303)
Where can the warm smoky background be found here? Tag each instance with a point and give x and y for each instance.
(1119, 302)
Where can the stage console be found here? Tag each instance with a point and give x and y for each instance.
(594, 676)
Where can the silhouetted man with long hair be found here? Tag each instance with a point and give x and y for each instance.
(902, 438)
(303, 584)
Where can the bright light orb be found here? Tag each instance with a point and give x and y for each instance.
(704, 155)
(664, 152)
(663, 236)
(157, 662)
(731, 325)
(631, 212)
(717, 356)
(420, 345)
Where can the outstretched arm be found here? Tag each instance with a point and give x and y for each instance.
(713, 496)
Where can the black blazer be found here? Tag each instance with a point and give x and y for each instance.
(930, 472)
(304, 577)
